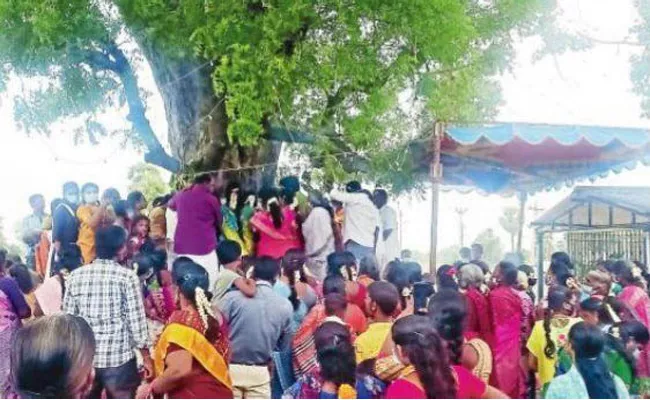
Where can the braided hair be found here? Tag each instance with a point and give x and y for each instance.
(269, 197)
(448, 310)
(426, 352)
(399, 277)
(293, 267)
(558, 296)
(193, 282)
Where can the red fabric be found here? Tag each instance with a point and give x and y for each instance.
(199, 384)
(478, 315)
(275, 242)
(469, 386)
(638, 303)
(403, 389)
(507, 314)
(358, 298)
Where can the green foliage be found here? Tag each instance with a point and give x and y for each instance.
(147, 179)
(492, 247)
(509, 221)
(333, 68)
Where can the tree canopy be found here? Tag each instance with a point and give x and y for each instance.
(148, 180)
(234, 73)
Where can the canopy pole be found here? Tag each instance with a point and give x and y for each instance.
(436, 179)
(646, 246)
(523, 198)
(540, 265)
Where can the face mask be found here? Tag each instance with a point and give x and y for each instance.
(636, 354)
(130, 214)
(72, 198)
(91, 198)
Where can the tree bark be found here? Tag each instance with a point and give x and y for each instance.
(198, 124)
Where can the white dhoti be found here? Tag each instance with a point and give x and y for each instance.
(209, 261)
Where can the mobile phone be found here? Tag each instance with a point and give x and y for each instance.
(421, 293)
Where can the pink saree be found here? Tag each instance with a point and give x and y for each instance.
(638, 303)
(507, 312)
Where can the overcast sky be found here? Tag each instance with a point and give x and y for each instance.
(591, 87)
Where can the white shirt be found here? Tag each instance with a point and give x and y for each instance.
(318, 233)
(361, 218)
(392, 246)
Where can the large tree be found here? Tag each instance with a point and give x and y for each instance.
(233, 73)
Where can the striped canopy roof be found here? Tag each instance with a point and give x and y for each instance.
(513, 157)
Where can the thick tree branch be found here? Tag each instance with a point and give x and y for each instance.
(115, 60)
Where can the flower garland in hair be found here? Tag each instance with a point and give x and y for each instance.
(203, 306)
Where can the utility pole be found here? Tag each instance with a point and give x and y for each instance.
(461, 220)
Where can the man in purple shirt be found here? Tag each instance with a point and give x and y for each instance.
(198, 212)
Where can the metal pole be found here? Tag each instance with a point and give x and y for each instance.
(436, 178)
(540, 265)
(523, 197)
(646, 246)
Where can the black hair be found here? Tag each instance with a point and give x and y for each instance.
(34, 197)
(508, 273)
(634, 330)
(202, 179)
(426, 352)
(624, 271)
(161, 201)
(290, 184)
(381, 197)
(188, 275)
(3, 259)
(293, 264)
(228, 251)
(23, 277)
(273, 207)
(144, 263)
(266, 269)
(527, 269)
(588, 343)
(335, 302)
(448, 310)
(385, 295)
(134, 197)
(591, 304)
(70, 186)
(109, 241)
(445, 277)
(113, 195)
(69, 259)
(136, 221)
(399, 277)
(334, 284)
(44, 367)
(414, 271)
(558, 296)
(121, 209)
(339, 260)
(335, 354)
(353, 187)
(368, 266)
(563, 258)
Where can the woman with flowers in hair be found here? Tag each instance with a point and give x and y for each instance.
(637, 304)
(191, 356)
(336, 377)
(276, 226)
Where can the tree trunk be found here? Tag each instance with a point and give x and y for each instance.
(198, 124)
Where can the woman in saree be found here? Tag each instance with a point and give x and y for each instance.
(302, 345)
(276, 225)
(13, 308)
(229, 212)
(550, 335)
(470, 280)
(336, 376)
(507, 313)
(192, 354)
(637, 304)
(448, 310)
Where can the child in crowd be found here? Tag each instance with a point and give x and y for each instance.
(139, 234)
(231, 277)
(157, 288)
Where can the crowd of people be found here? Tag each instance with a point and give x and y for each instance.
(215, 292)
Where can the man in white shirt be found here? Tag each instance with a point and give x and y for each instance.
(390, 237)
(362, 222)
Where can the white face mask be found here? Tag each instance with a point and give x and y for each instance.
(91, 198)
(72, 198)
(636, 354)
